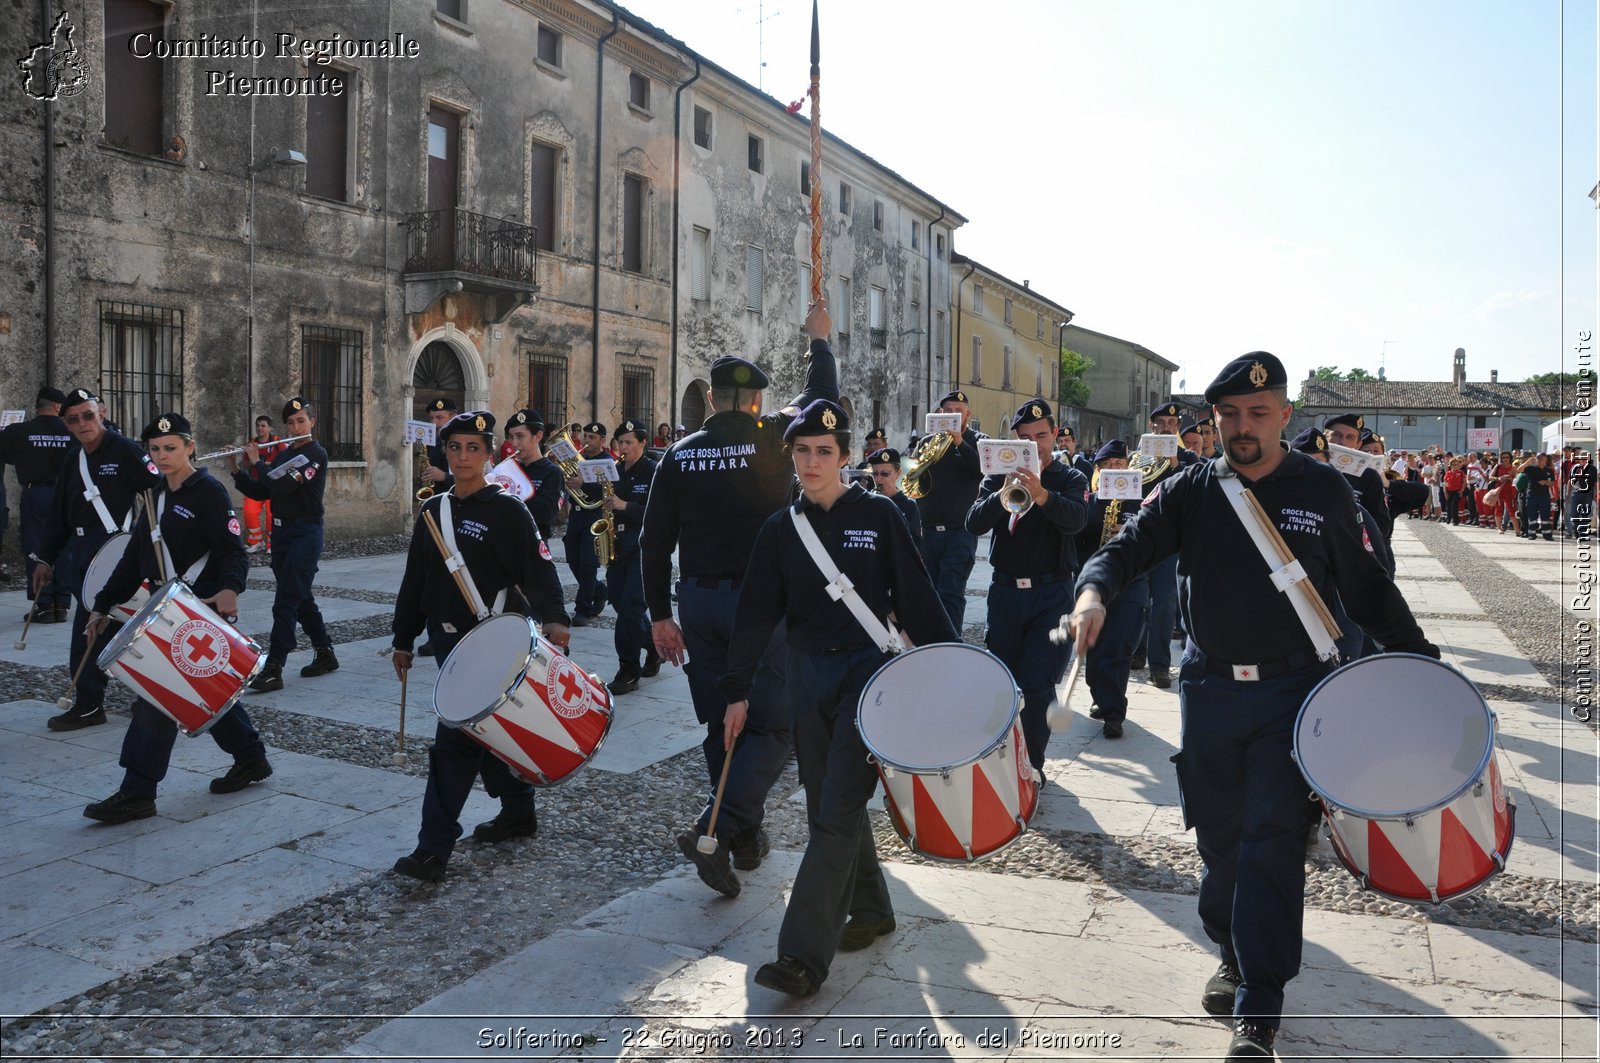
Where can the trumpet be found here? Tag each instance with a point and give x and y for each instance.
(241, 449)
(1014, 497)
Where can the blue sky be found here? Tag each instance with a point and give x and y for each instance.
(1216, 176)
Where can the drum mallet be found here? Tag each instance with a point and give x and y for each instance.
(22, 643)
(65, 700)
(708, 842)
(400, 759)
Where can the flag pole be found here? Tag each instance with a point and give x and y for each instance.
(816, 161)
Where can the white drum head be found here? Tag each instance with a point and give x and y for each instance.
(937, 706)
(1393, 735)
(489, 661)
(104, 562)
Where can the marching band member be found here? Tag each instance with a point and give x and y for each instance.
(38, 448)
(500, 543)
(711, 494)
(258, 514)
(1034, 565)
(885, 465)
(1241, 790)
(1208, 437)
(92, 500)
(624, 577)
(1345, 431)
(831, 658)
(581, 559)
(1106, 667)
(197, 521)
(1156, 646)
(294, 482)
(952, 483)
(440, 411)
(876, 440)
(1067, 443)
(525, 431)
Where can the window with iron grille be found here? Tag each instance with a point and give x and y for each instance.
(547, 387)
(330, 379)
(638, 394)
(141, 362)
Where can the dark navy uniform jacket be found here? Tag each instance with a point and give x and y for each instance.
(951, 485)
(1087, 541)
(908, 509)
(120, 469)
(502, 547)
(1369, 492)
(296, 493)
(633, 487)
(197, 519)
(869, 542)
(716, 487)
(1042, 542)
(437, 459)
(37, 447)
(1227, 598)
(546, 498)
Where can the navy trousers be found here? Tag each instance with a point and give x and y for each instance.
(1020, 622)
(625, 585)
(583, 562)
(1163, 614)
(839, 875)
(36, 502)
(296, 549)
(147, 745)
(453, 763)
(1107, 667)
(950, 555)
(74, 560)
(706, 614)
(1246, 800)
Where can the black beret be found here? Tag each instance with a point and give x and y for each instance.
(886, 456)
(525, 418)
(168, 424)
(1310, 441)
(955, 396)
(294, 406)
(594, 428)
(1190, 427)
(1166, 409)
(820, 418)
(1114, 448)
(1206, 422)
(77, 397)
(1256, 371)
(48, 395)
(1348, 420)
(1366, 436)
(443, 403)
(1030, 411)
(1065, 430)
(731, 372)
(476, 422)
(629, 427)
(877, 433)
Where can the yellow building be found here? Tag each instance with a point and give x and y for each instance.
(1005, 348)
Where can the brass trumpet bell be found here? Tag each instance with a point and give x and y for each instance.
(1015, 498)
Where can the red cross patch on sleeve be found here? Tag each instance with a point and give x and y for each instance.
(233, 526)
(311, 472)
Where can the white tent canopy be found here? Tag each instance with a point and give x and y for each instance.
(1579, 428)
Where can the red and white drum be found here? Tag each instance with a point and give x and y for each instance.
(98, 574)
(942, 722)
(180, 656)
(1400, 749)
(523, 700)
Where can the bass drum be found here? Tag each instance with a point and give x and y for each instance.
(98, 574)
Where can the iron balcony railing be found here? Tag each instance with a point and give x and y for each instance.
(458, 241)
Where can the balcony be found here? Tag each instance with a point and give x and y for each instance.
(455, 250)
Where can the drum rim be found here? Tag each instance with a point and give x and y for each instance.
(1005, 732)
(110, 539)
(505, 695)
(140, 622)
(1391, 815)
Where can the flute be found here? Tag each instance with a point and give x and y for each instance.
(240, 450)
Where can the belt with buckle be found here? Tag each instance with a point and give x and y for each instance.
(1251, 673)
(1023, 583)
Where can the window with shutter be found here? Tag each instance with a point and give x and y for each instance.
(754, 276)
(699, 265)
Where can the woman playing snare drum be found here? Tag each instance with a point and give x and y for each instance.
(197, 525)
(831, 658)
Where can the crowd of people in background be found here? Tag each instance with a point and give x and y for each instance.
(1533, 494)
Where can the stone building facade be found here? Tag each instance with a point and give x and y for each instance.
(1006, 343)
(1125, 382)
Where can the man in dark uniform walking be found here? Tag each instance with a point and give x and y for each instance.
(1067, 443)
(1106, 667)
(293, 482)
(581, 559)
(711, 493)
(1157, 642)
(1345, 431)
(1249, 667)
(949, 488)
(525, 430)
(1035, 563)
(38, 449)
(103, 476)
(885, 466)
(625, 577)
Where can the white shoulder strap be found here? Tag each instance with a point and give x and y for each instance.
(91, 494)
(840, 589)
(1288, 576)
(456, 563)
(193, 570)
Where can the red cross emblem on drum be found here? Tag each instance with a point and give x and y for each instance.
(199, 649)
(567, 688)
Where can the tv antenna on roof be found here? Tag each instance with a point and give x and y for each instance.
(761, 40)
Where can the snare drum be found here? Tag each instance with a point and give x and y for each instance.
(98, 574)
(943, 724)
(180, 656)
(523, 700)
(1400, 750)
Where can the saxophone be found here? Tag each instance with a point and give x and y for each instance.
(1111, 523)
(604, 530)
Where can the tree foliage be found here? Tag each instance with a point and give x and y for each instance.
(1074, 392)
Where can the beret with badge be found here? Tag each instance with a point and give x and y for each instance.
(1166, 409)
(955, 396)
(594, 428)
(631, 427)
(733, 372)
(1031, 411)
(886, 456)
(1310, 441)
(474, 422)
(818, 419)
(78, 397)
(294, 406)
(168, 424)
(1113, 448)
(532, 420)
(1345, 420)
(1248, 374)
(441, 404)
(877, 433)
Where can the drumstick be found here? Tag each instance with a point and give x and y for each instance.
(708, 842)
(27, 622)
(444, 551)
(400, 759)
(1059, 715)
(155, 533)
(65, 700)
(1285, 556)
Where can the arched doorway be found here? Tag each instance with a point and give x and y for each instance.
(692, 410)
(438, 374)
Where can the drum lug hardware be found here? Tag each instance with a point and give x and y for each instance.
(968, 850)
(1477, 788)
(944, 774)
(1411, 823)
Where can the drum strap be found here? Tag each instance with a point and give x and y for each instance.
(193, 570)
(91, 494)
(456, 563)
(840, 589)
(1289, 576)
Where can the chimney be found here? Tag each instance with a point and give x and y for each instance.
(1458, 375)
(1494, 376)
(1383, 374)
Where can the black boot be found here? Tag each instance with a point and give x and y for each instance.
(322, 664)
(268, 679)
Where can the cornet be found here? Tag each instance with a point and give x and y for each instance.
(1014, 497)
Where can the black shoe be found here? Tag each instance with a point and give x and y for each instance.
(712, 867)
(788, 975)
(120, 808)
(625, 682)
(1251, 1040)
(859, 933)
(1547, 538)
(241, 775)
(652, 666)
(1136, 662)
(268, 679)
(76, 717)
(599, 599)
(63, 613)
(1111, 728)
(322, 664)
(1096, 712)
(507, 825)
(46, 614)
(751, 849)
(425, 650)
(1161, 677)
(1217, 997)
(421, 865)
(579, 620)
